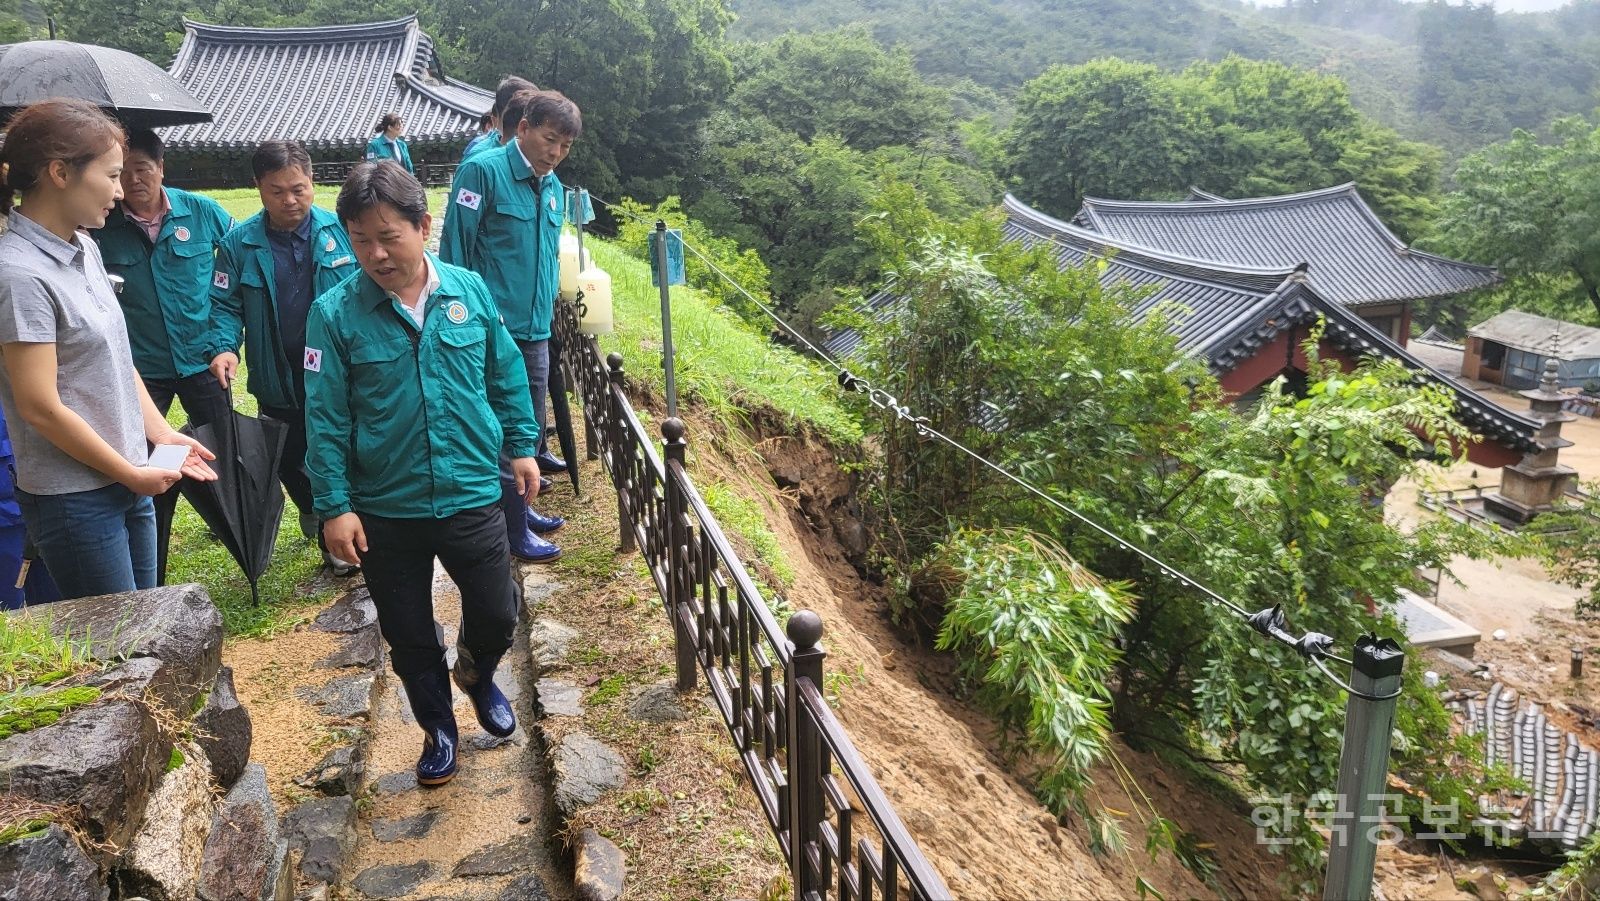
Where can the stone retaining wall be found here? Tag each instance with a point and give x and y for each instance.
(154, 777)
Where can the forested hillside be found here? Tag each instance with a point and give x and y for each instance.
(770, 128)
(1459, 76)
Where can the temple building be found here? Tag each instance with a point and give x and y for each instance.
(323, 86)
(1249, 317)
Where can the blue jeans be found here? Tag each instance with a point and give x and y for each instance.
(536, 356)
(95, 542)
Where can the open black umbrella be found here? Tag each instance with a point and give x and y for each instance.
(132, 88)
(244, 506)
(561, 412)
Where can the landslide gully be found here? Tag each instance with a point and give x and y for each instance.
(936, 756)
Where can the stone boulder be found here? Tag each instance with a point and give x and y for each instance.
(340, 772)
(658, 703)
(351, 613)
(224, 730)
(104, 759)
(585, 769)
(50, 865)
(244, 857)
(162, 863)
(176, 624)
(599, 869)
(324, 832)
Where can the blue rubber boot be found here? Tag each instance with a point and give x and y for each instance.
(540, 524)
(429, 694)
(524, 543)
(476, 678)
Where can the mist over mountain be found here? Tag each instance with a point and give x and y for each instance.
(1455, 75)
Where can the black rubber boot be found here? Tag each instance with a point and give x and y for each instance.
(476, 678)
(429, 693)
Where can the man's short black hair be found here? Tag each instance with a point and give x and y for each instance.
(508, 88)
(146, 142)
(272, 156)
(371, 185)
(544, 107)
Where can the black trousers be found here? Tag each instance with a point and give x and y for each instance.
(202, 396)
(292, 468)
(399, 570)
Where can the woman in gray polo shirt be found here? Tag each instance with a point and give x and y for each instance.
(78, 413)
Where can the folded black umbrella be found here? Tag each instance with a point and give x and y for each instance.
(244, 506)
(561, 412)
(135, 90)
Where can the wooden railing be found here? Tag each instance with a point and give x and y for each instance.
(839, 833)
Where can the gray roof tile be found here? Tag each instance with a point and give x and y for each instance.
(1352, 257)
(324, 86)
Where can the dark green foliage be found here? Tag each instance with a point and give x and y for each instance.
(1532, 208)
(841, 83)
(1239, 128)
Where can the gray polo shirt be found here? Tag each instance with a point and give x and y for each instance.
(56, 292)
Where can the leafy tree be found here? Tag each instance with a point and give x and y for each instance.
(645, 72)
(1110, 128)
(842, 83)
(1239, 127)
(795, 202)
(1569, 543)
(1532, 209)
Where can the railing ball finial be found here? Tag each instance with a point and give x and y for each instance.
(614, 360)
(805, 630)
(673, 429)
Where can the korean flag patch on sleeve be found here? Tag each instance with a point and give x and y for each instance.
(313, 360)
(468, 199)
(220, 279)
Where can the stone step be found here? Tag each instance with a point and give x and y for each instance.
(484, 835)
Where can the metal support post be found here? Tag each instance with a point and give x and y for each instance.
(805, 752)
(1363, 768)
(666, 319)
(680, 581)
(621, 452)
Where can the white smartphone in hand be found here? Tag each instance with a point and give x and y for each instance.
(169, 456)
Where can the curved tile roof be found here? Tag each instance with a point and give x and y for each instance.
(324, 86)
(1354, 259)
(1222, 313)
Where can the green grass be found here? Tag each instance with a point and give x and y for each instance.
(31, 659)
(722, 363)
(242, 203)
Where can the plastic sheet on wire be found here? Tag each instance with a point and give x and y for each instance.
(580, 211)
(675, 273)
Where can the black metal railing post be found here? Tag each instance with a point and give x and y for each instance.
(622, 451)
(805, 753)
(680, 605)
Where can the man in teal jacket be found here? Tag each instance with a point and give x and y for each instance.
(268, 272)
(506, 211)
(413, 387)
(497, 135)
(163, 243)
